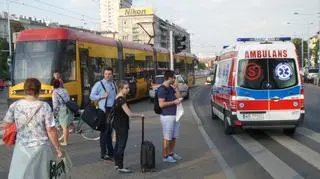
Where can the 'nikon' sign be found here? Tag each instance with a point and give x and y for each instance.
(136, 11)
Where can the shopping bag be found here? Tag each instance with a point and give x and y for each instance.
(10, 133)
(61, 168)
(180, 112)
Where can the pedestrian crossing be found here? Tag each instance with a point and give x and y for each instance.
(271, 161)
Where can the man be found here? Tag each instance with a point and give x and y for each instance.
(105, 98)
(169, 97)
(57, 76)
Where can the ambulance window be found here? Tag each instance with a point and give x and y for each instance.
(267, 73)
(284, 73)
(252, 74)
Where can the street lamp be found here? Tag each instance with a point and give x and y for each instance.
(312, 14)
(302, 45)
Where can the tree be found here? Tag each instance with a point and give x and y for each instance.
(297, 43)
(3, 59)
(16, 26)
(202, 66)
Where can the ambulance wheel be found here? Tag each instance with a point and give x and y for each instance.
(290, 131)
(228, 130)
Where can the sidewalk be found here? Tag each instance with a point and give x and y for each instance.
(198, 162)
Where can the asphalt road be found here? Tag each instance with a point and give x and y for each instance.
(268, 154)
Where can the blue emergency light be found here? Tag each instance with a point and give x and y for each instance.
(263, 39)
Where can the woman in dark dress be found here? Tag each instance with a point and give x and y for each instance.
(121, 125)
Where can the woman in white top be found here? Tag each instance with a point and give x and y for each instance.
(60, 111)
(35, 127)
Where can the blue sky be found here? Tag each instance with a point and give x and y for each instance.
(212, 23)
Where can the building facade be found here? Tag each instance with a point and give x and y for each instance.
(109, 13)
(141, 25)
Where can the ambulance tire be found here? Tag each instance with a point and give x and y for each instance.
(290, 131)
(228, 130)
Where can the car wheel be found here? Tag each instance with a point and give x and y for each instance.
(290, 131)
(228, 130)
(187, 97)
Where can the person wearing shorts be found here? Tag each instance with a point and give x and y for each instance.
(169, 97)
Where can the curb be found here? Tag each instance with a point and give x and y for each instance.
(223, 164)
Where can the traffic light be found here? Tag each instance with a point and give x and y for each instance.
(179, 43)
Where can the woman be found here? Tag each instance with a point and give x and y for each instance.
(121, 125)
(60, 110)
(35, 127)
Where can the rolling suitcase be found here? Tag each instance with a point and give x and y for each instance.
(147, 154)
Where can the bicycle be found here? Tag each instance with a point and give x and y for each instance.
(81, 128)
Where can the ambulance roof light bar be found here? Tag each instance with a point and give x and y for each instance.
(263, 39)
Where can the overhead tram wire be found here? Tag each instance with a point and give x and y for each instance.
(65, 9)
(45, 10)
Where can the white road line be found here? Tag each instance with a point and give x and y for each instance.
(1, 132)
(223, 164)
(309, 133)
(271, 163)
(299, 149)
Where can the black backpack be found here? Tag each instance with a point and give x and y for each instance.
(157, 109)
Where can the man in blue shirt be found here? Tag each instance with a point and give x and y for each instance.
(104, 92)
(169, 97)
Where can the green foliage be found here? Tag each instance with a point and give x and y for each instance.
(202, 66)
(297, 43)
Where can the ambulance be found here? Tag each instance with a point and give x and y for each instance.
(258, 85)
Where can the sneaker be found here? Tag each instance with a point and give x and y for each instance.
(169, 159)
(63, 144)
(176, 156)
(124, 170)
(106, 158)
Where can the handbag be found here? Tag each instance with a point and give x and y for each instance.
(10, 131)
(71, 105)
(60, 168)
(94, 117)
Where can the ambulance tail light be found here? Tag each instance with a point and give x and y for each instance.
(302, 98)
(233, 104)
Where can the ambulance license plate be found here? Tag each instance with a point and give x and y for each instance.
(253, 116)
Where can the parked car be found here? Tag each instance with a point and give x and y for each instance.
(2, 84)
(209, 80)
(158, 80)
(311, 74)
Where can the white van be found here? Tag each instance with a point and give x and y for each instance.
(258, 84)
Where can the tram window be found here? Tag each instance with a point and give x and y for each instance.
(68, 62)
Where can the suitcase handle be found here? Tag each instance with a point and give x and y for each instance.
(142, 130)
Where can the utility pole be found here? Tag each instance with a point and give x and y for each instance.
(171, 51)
(9, 30)
(302, 53)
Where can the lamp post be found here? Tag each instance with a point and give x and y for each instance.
(314, 14)
(302, 44)
(9, 60)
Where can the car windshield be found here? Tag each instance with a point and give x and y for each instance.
(267, 73)
(314, 70)
(159, 80)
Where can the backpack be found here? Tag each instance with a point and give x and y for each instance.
(157, 109)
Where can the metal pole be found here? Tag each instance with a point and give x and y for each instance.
(171, 51)
(302, 53)
(309, 62)
(9, 29)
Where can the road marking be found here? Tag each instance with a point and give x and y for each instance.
(1, 142)
(223, 164)
(1, 132)
(302, 151)
(309, 133)
(271, 163)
